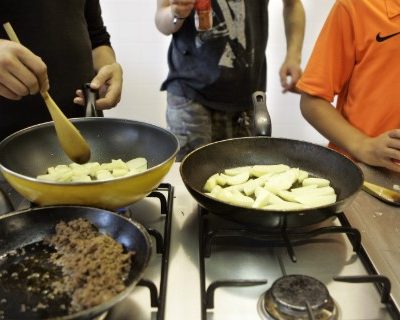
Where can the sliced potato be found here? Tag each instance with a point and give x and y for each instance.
(323, 191)
(94, 171)
(137, 163)
(94, 168)
(287, 195)
(225, 196)
(103, 175)
(74, 165)
(119, 164)
(276, 187)
(285, 206)
(271, 188)
(241, 200)
(238, 179)
(90, 165)
(79, 171)
(61, 168)
(283, 181)
(235, 171)
(221, 179)
(119, 172)
(260, 170)
(315, 201)
(252, 184)
(65, 177)
(239, 187)
(315, 191)
(211, 183)
(82, 178)
(318, 181)
(137, 170)
(51, 170)
(302, 175)
(272, 198)
(304, 189)
(47, 177)
(217, 189)
(263, 198)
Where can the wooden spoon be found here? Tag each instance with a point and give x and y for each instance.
(386, 195)
(69, 137)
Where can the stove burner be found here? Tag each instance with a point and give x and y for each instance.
(296, 297)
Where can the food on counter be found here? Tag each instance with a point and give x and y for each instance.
(94, 171)
(94, 265)
(270, 187)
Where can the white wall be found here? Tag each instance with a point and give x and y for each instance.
(142, 51)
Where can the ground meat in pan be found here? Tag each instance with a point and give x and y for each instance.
(94, 265)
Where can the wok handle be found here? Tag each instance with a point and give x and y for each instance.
(262, 120)
(90, 98)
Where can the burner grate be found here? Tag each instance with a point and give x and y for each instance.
(226, 236)
(282, 238)
(165, 194)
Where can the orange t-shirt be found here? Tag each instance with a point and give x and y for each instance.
(357, 57)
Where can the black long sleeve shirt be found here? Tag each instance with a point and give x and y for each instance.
(63, 33)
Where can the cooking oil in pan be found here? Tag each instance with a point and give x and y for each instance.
(26, 284)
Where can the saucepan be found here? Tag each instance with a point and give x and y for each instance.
(345, 175)
(24, 230)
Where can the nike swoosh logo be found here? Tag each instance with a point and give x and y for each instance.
(380, 38)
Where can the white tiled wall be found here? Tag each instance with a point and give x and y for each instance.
(142, 51)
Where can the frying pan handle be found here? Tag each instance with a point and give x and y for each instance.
(5, 203)
(90, 98)
(262, 120)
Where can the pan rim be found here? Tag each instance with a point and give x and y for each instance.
(272, 138)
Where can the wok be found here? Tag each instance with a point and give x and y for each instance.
(345, 176)
(30, 151)
(28, 228)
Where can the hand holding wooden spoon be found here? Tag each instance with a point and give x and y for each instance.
(71, 140)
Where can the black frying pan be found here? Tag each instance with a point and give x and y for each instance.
(28, 228)
(345, 176)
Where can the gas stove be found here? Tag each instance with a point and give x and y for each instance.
(216, 274)
(203, 267)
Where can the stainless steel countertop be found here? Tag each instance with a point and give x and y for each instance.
(379, 224)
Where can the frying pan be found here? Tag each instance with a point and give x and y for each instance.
(30, 151)
(345, 176)
(27, 229)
